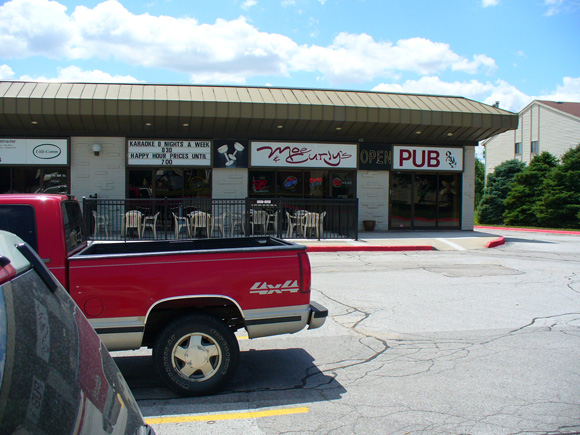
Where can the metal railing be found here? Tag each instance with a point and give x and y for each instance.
(175, 218)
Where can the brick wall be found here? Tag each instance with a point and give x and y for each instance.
(230, 183)
(103, 174)
(373, 197)
(467, 212)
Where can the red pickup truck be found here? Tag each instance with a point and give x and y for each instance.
(182, 298)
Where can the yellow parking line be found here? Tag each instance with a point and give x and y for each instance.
(232, 416)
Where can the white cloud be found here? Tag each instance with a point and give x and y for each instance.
(568, 91)
(31, 27)
(248, 4)
(6, 73)
(509, 97)
(358, 58)
(561, 6)
(75, 74)
(487, 3)
(233, 50)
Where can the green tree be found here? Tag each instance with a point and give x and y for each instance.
(491, 207)
(527, 189)
(559, 207)
(479, 181)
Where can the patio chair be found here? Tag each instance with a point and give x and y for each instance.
(220, 223)
(150, 222)
(200, 220)
(259, 218)
(322, 216)
(292, 223)
(101, 221)
(310, 222)
(273, 219)
(180, 222)
(236, 220)
(133, 220)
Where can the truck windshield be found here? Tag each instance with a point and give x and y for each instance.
(74, 229)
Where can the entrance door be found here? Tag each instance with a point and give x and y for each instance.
(424, 201)
(401, 209)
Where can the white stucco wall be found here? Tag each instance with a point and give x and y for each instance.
(103, 174)
(373, 197)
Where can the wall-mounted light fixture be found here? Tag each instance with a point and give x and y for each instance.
(450, 134)
(96, 148)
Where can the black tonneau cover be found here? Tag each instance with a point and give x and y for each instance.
(197, 245)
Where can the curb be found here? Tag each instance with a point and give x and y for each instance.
(369, 248)
(497, 242)
(528, 230)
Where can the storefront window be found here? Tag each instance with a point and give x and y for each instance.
(170, 183)
(342, 184)
(262, 183)
(317, 183)
(34, 180)
(290, 184)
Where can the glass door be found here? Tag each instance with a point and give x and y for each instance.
(425, 201)
(401, 208)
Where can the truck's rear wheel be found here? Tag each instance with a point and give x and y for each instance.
(196, 355)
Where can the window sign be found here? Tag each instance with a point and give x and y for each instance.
(427, 158)
(230, 154)
(156, 152)
(46, 152)
(375, 157)
(303, 155)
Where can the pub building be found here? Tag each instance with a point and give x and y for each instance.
(409, 160)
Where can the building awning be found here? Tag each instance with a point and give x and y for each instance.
(146, 110)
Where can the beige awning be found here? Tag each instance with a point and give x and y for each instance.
(140, 110)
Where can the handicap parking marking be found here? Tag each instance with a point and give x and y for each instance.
(226, 416)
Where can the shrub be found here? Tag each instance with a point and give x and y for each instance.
(491, 207)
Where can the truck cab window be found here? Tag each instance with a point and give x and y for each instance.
(20, 220)
(74, 230)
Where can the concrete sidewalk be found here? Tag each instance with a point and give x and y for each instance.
(407, 241)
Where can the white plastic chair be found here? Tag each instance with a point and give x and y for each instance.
(220, 223)
(133, 220)
(259, 218)
(150, 222)
(311, 221)
(180, 222)
(101, 221)
(236, 220)
(322, 216)
(292, 223)
(201, 220)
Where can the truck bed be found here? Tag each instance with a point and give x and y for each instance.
(239, 244)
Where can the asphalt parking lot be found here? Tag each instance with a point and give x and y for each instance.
(472, 341)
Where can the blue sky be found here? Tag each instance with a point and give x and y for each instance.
(511, 51)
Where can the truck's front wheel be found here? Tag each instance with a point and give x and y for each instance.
(196, 355)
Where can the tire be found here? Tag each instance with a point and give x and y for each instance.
(196, 355)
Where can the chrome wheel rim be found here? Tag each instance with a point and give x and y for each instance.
(196, 357)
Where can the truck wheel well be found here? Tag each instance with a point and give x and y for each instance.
(166, 312)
